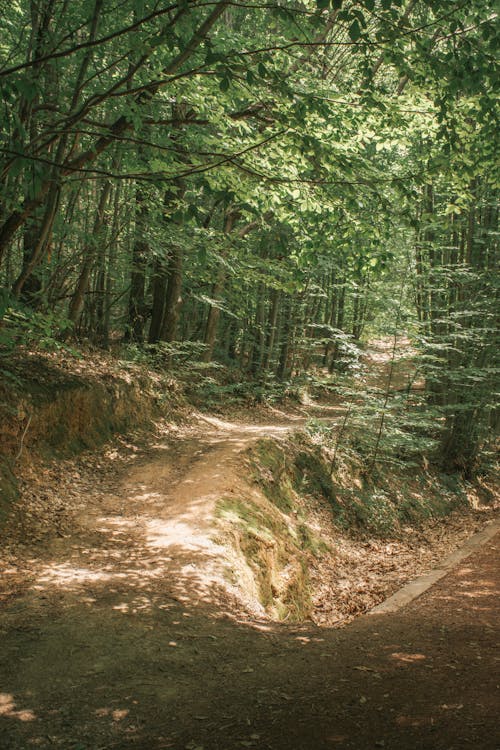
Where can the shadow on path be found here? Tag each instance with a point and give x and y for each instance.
(125, 663)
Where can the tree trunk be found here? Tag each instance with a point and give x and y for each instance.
(76, 303)
(287, 331)
(271, 328)
(217, 289)
(173, 298)
(140, 254)
(40, 242)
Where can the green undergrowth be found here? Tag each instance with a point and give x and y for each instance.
(377, 504)
(218, 387)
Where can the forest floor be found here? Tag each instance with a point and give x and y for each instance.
(119, 627)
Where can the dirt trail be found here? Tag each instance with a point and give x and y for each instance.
(96, 673)
(162, 516)
(154, 526)
(126, 634)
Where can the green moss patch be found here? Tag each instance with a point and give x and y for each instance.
(271, 471)
(276, 548)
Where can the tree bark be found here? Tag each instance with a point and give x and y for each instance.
(76, 303)
(173, 298)
(140, 254)
(217, 289)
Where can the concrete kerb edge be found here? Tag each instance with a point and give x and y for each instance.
(418, 586)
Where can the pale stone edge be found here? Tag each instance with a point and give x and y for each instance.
(417, 587)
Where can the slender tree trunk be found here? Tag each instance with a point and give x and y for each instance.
(104, 331)
(217, 289)
(339, 323)
(40, 243)
(258, 343)
(167, 281)
(173, 298)
(140, 254)
(76, 303)
(271, 328)
(287, 333)
(159, 285)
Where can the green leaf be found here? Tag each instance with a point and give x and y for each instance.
(355, 31)
(27, 88)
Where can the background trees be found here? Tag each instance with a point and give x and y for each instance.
(246, 179)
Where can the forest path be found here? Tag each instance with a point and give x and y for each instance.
(159, 523)
(125, 633)
(149, 522)
(90, 672)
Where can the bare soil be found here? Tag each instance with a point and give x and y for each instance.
(119, 627)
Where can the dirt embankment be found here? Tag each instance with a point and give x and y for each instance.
(55, 406)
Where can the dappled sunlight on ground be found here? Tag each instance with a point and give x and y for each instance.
(149, 662)
(63, 573)
(129, 635)
(408, 658)
(160, 533)
(157, 533)
(8, 708)
(250, 429)
(476, 593)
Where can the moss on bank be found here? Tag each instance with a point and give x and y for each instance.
(376, 505)
(296, 508)
(275, 545)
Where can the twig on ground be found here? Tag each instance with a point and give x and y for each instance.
(21, 444)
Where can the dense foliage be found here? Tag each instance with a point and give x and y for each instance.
(259, 184)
